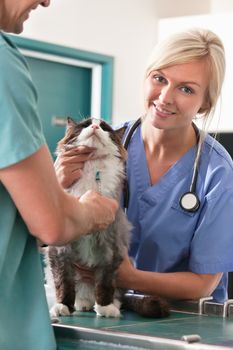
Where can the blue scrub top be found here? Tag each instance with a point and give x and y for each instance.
(165, 238)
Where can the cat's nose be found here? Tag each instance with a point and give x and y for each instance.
(95, 126)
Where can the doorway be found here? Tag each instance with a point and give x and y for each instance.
(69, 82)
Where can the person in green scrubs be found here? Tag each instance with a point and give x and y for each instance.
(32, 203)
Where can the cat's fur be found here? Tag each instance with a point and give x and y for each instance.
(103, 251)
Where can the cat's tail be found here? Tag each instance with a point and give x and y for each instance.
(147, 306)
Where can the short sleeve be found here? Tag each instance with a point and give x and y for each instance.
(20, 128)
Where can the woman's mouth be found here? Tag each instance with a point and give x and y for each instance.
(162, 112)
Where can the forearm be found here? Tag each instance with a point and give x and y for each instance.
(52, 215)
(66, 221)
(88, 214)
(176, 285)
(70, 217)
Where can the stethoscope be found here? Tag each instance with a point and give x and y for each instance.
(189, 201)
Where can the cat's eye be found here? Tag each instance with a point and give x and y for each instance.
(85, 124)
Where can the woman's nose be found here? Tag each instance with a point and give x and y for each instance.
(166, 95)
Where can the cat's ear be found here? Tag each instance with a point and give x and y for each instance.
(120, 132)
(70, 123)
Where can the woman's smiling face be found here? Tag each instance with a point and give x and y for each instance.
(174, 95)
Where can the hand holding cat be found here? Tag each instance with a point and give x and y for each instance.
(102, 209)
(69, 164)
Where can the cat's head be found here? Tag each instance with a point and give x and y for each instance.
(95, 133)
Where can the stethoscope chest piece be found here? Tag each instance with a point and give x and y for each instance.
(189, 202)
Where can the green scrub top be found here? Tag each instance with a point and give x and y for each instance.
(24, 316)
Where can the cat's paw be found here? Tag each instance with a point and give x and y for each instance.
(83, 305)
(117, 303)
(107, 311)
(59, 310)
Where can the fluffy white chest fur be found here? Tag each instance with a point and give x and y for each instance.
(102, 175)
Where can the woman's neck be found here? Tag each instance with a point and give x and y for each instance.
(164, 148)
(167, 144)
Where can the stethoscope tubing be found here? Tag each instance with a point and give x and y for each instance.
(189, 201)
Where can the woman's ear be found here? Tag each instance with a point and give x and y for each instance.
(205, 107)
(202, 110)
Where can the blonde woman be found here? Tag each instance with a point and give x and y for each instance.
(181, 245)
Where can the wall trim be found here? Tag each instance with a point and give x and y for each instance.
(102, 66)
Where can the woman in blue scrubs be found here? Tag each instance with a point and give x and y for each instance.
(178, 253)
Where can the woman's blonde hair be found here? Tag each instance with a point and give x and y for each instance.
(188, 46)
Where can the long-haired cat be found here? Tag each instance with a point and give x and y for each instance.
(101, 251)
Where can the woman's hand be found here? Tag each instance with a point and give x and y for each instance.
(69, 165)
(125, 273)
(167, 284)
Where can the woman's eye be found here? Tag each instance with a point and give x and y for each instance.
(159, 78)
(186, 90)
